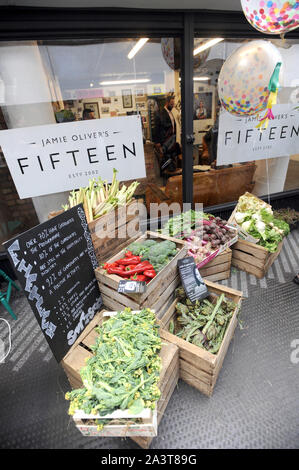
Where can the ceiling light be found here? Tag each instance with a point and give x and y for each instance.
(137, 47)
(206, 45)
(201, 79)
(125, 82)
(91, 84)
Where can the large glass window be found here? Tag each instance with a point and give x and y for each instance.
(48, 82)
(215, 183)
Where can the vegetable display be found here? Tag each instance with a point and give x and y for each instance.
(124, 370)
(202, 323)
(213, 235)
(181, 225)
(131, 267)
(204, 232)
(157, 253)
(99, 197)
(256, 218)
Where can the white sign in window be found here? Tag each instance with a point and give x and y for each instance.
(60, 157)
(239, 140)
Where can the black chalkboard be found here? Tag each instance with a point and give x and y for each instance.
(54, 263)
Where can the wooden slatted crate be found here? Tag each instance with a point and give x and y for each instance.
(159, 292)
(218, 268)
(110, 233)
(75, 359)
(198, 367)
(250, 257)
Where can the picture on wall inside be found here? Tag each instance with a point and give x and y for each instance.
(106, 100)
(202, 106)
(140, 105)
(139, 92)
(105, 110)
(127, 98)
(94, 107)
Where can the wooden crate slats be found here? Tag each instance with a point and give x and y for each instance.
(218, 277)
(215, 269)
(256, 251)
(162, 405)
(195, 382)
(194, 370)
(199, 367)
(246, 258)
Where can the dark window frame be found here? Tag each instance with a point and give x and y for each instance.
(43, 23)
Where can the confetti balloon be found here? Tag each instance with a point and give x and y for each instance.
(272, 17)
(171, 50)
(245, 76)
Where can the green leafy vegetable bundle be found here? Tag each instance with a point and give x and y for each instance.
(256, 218)
(181, 225)
(124, 370)
(202, 323)
(157, 253)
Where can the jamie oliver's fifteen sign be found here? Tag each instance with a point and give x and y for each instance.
(239, 140)
(60, 157)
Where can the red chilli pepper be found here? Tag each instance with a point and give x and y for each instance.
(119, 271)
(139, 268)
(110, 265)
(127, 261)
(128, 254)
(151, 273)
(138, 277)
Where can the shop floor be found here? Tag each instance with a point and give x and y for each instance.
(255, 403)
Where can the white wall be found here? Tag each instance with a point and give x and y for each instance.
(28, 102)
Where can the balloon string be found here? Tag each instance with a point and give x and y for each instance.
(268, 184)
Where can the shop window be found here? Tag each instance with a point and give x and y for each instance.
(47, 82)
(215, 183)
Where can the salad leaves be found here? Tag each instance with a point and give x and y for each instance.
(257, 219)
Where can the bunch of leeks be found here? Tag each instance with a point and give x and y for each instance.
(99, 197)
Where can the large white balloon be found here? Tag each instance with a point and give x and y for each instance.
(272, 17)
(244, 78)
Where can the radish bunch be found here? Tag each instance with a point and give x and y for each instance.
(209, 237)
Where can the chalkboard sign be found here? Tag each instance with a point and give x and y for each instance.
(55, 263)
(192, 281)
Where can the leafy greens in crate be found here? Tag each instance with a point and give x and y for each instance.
(125, 367)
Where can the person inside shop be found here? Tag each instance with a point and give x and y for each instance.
(201, 112)
(164, 138)
(87, 114)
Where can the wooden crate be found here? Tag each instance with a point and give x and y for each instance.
(218, 268)
(75, 359)
(170, 386)
(109, 232)
(159, 292)
(250, 257)
(198, 367)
